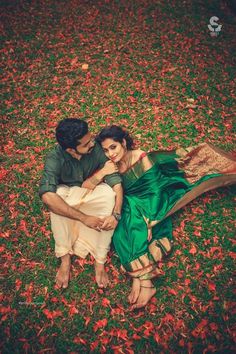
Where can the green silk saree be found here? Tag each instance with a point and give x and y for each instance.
(152, 195)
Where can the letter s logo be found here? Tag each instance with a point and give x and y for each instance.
(213, 22)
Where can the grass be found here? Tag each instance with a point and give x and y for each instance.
(146, 60)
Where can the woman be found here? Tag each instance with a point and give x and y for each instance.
(156, 184)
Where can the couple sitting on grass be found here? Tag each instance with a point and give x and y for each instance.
(105, 189)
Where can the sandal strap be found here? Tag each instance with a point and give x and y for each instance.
(147, 287)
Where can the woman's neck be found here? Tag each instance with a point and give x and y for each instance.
(126, 161)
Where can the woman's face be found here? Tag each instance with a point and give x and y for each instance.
(113, 150)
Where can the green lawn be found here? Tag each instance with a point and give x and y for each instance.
(154, 69)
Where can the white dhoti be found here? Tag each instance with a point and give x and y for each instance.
(72, 236)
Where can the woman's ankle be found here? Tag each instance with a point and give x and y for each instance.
(146, 282)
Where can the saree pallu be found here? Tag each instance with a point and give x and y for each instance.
(152, 195)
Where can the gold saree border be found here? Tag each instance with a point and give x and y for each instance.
(146, 266)
(204, 159)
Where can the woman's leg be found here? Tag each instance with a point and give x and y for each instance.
(147, 291)
(135, 290)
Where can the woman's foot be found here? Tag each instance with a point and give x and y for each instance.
(133, 296)
(146, 293)
(101, 275)
(63, 273)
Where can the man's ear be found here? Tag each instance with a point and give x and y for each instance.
(70, 151)
(73, 153)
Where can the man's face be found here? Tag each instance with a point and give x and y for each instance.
(86, 145)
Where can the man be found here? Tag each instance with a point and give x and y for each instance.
(82, 219)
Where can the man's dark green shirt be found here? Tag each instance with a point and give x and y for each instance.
(61, 168)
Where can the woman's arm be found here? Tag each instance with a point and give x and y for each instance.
(110, 222)
(108, 169)
(146, 163)
(142, 155)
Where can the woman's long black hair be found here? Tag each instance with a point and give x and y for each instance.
(117, 134)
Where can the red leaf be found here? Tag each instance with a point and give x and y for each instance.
(157, 337)
(232, 255)
(122, 333)
(100, 324)
(87, 320)
(105, 302)
(3, 173)
(193, 250)
(79, 340)
(200, 330)
(213, 326)
(18, 283)
(52, 314)
(94, 345)
(172, 292)
(211, 286)
(136, 337)
(73, 310)
(187, 282)
(5, 309)
(168, 317)
(74, 61)
(181, 343)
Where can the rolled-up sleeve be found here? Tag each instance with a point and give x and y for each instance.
(51, 175)
(113, 179)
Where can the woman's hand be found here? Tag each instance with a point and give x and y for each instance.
(109, 168)
(109, 223)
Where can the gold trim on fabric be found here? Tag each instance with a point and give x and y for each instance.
(146, 266)
(213, 183)
(204, 159)
(155, 251)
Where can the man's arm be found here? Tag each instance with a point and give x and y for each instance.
(48, 187)
(58, 206)
(98, 177)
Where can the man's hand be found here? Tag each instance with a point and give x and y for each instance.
(93, 222)
(109, 223)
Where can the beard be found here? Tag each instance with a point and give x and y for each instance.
(85, 153)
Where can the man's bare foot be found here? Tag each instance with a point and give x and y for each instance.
(63, 274)
(133, 296)
(146, 293)
(101, 275)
